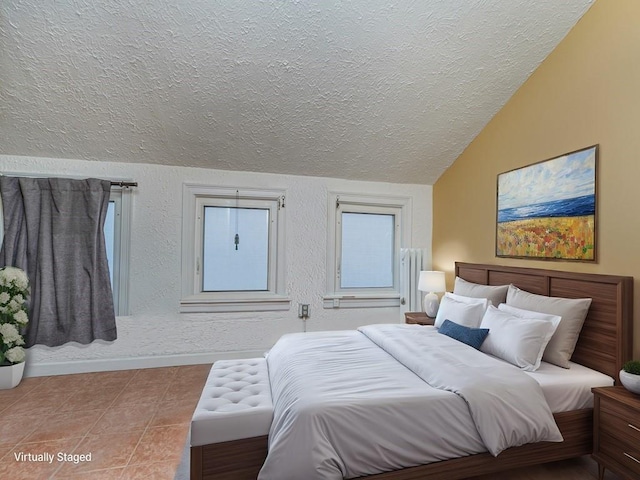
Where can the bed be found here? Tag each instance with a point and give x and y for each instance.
(604, 344)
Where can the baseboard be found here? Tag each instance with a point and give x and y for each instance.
(108, 364)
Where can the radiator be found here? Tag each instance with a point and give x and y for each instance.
(410, 266)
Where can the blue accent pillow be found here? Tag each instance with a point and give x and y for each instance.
(471, 336)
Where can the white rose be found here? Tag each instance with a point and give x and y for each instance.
(21, 317)
(14, 275)
(4, 297)
(22, 282)
(19, 299)
(15, 355)
(7, 275)
(9, 333)
(13, 306)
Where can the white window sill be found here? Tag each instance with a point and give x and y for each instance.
(199, 304)
(361, 301)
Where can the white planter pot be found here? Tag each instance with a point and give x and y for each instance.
(630, 381)
(10, 375)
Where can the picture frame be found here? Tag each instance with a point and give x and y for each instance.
(547, 210)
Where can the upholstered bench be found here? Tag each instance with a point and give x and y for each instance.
(232, 417)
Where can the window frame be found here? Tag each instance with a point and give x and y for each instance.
(121, 196)
(193, 299)
(261, 204)
(338, 203)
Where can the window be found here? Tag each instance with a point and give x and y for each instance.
(235, 263)
(367, 250)
(117, 236)
(365, 235)
(233, 250)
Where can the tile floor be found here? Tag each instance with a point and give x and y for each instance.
(134, 423)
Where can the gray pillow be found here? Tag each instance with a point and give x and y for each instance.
(495, 293)
(573, 311)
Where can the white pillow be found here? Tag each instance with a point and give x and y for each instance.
(573, 311)
(461, 310)
(470, 300)
(497, 294)
(519, 341)
(522, 313)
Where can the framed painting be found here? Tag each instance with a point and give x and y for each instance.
(547, 210)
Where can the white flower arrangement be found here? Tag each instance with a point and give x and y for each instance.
(14, 291)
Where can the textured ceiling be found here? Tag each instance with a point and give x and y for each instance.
(364, 89)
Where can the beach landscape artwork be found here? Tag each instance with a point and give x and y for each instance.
(548, 210)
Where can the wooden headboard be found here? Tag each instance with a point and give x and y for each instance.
(606, 339)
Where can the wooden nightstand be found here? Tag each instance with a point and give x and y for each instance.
(616, 431)
(419, 318)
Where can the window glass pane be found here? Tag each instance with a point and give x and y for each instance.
(224, 267)
(367, 250)
(109, 235)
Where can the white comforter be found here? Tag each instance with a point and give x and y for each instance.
(354, 403)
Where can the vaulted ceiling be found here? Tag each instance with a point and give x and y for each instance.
(365, 89)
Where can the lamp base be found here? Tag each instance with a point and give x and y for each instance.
(431, 304)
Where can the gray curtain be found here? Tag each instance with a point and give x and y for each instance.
(53, 230)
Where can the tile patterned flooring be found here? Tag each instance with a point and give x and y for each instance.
(134, 423)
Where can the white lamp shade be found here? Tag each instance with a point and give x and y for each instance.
(431, 281)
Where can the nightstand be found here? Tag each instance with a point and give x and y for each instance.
(616, 431)
(419, 318)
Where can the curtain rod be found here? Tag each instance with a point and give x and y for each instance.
(114, 183)
(124, 184)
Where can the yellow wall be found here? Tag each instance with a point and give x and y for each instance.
(586, 92)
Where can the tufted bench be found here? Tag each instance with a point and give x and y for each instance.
(233, 414)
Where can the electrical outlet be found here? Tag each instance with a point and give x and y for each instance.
(303, 310)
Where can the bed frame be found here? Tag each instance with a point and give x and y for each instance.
(605, 343)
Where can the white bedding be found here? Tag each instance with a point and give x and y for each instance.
(344, 407)
(569, 389)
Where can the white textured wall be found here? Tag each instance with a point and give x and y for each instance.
(155, 328)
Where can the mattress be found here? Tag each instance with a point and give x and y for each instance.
(568, 389)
